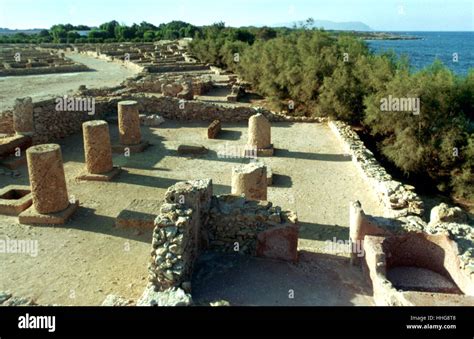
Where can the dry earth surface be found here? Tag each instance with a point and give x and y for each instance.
(39, 87)
(83, 261)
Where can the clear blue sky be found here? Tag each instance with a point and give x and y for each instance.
(401, 15)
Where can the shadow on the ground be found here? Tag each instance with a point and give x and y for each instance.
(249, 97)
(130, 178)
(284, 153)
(226, 134)
(316, 280)
(314, 231)
(84, 217)
(280, 180)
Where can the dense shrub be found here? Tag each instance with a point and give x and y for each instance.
(340, 77)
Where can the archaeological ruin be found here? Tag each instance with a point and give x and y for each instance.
(179, 186)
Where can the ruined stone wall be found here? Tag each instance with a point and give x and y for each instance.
(51, 125)
(44, 70)
(120, 60)
(178, 237)
(176, 68)
(191, 220)
(235, 220)
(399, 200)
(189, 110)
(6, 122)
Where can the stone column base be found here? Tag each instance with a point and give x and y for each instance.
(32, 217)
(108, 176)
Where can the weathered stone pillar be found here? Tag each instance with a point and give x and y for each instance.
(250, 180)
(259, 132)
(355, 228)
(47, 179)
(23, 122)
(129, 123)
(361, 225)
(97, 147)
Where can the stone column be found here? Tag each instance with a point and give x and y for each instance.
(23, 116)
(250, 180)
(259, 132)
(97, 147)
(355, 228)
(48, 183)
(129, 123)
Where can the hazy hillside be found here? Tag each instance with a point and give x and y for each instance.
(331, 25)
(7, 31)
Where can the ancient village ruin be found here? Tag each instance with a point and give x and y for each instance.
(174, 168)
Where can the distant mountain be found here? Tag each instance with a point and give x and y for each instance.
(331, 25)
(7, 31)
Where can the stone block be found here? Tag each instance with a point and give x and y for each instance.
(279, 243)
(14, 199)
(214, 129)
(32, 217)
(192, 149)
(250, 180)
(107, 176)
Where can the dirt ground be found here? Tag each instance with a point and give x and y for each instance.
(83, 261)
(39, 87)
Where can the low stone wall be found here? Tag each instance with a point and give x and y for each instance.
(6, 122)
(450, 222)
(152, 83)
(399, 200)
(44, 70)
(51, 125)
(191, 220)
(235, 222)
(176, 68)
(128, 64)
(177, 238)
(190, 110)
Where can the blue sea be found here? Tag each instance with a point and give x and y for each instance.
(432, 45)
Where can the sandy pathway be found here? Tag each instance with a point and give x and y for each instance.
(105, 74)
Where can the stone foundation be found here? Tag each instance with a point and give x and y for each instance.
(416, 269)
(432, 258)
(191, 220)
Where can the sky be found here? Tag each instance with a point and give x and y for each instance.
(388, 15)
